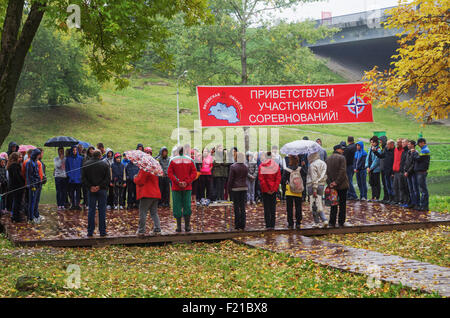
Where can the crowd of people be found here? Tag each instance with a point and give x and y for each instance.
(99, 179)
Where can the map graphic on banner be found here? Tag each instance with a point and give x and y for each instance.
(227, 106)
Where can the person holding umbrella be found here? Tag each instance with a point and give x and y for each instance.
(96, 175)
(182, 173)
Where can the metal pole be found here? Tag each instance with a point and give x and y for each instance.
(178, 114)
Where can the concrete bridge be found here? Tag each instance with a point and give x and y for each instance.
(361, 44)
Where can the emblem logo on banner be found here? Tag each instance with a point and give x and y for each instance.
(355, 105)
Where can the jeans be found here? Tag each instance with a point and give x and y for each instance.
(290, 202)
(144, 205)
(94, 198)
(413, 187)
(239, 198)
(374, 181)
(33, 203)
(422, 194)
(351, 191)
(342, 196)
(389, 187)
(362, 184)
(251, 190)
(61, 191)
(270, 205)
(131, 188)
(164, 186)
(75, 193)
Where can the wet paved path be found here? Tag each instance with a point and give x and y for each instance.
(61, 227)
(385, 267)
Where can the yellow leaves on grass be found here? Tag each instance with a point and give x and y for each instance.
(421, 65)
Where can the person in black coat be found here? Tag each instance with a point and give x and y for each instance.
(16, 184)
(349, 154)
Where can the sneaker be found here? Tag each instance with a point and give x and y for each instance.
(363, 199)
(140, 234)
(59, 208)
(325, 224)
(121, 207)
(346, 224)
(108, 207)
(315, 225)
(103, 235)
(116, 207)
(157, 231)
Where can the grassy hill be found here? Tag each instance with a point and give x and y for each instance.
(145, 113)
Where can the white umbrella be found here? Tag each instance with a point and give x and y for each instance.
(300, 147)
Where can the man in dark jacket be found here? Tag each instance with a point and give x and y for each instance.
(404, 182)
(411, 177)
(237, 187)
(421, 166)
(34, 186)
(387, 156)
(337, 179)
(164, 181)
(349, 154)
(96, 174)
(73, 170)
(383, 144)
(12, 147)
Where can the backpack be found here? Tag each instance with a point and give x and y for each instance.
(295, 180)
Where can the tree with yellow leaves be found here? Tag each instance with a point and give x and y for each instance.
(421, 65)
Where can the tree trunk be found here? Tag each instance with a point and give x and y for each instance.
(14, 49)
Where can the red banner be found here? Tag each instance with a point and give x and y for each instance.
(221, 106)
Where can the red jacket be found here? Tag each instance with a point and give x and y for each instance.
(182, 169)
(397, 159)
(269, 176)
(147, 185)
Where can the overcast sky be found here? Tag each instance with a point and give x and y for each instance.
(336, 7)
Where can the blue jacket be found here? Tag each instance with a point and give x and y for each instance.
(117, 172)
(422, 163)
(372, 161)
(32, 170)
(131, 171)
(360, 158)
(73, 167)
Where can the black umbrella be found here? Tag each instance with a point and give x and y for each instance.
(61, 141)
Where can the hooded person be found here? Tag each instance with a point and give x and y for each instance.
(109, 159)
(118, 177)
(34, 184)
(140, 147)
(16, 183)
(164, 181)
(12, 147)
(269, 177)
(74, 162)
(316, 181)
(359, 168)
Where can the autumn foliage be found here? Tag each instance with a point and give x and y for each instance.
(421, 65)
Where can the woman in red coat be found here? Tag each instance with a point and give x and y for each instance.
(269, 180)
(148, 194)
